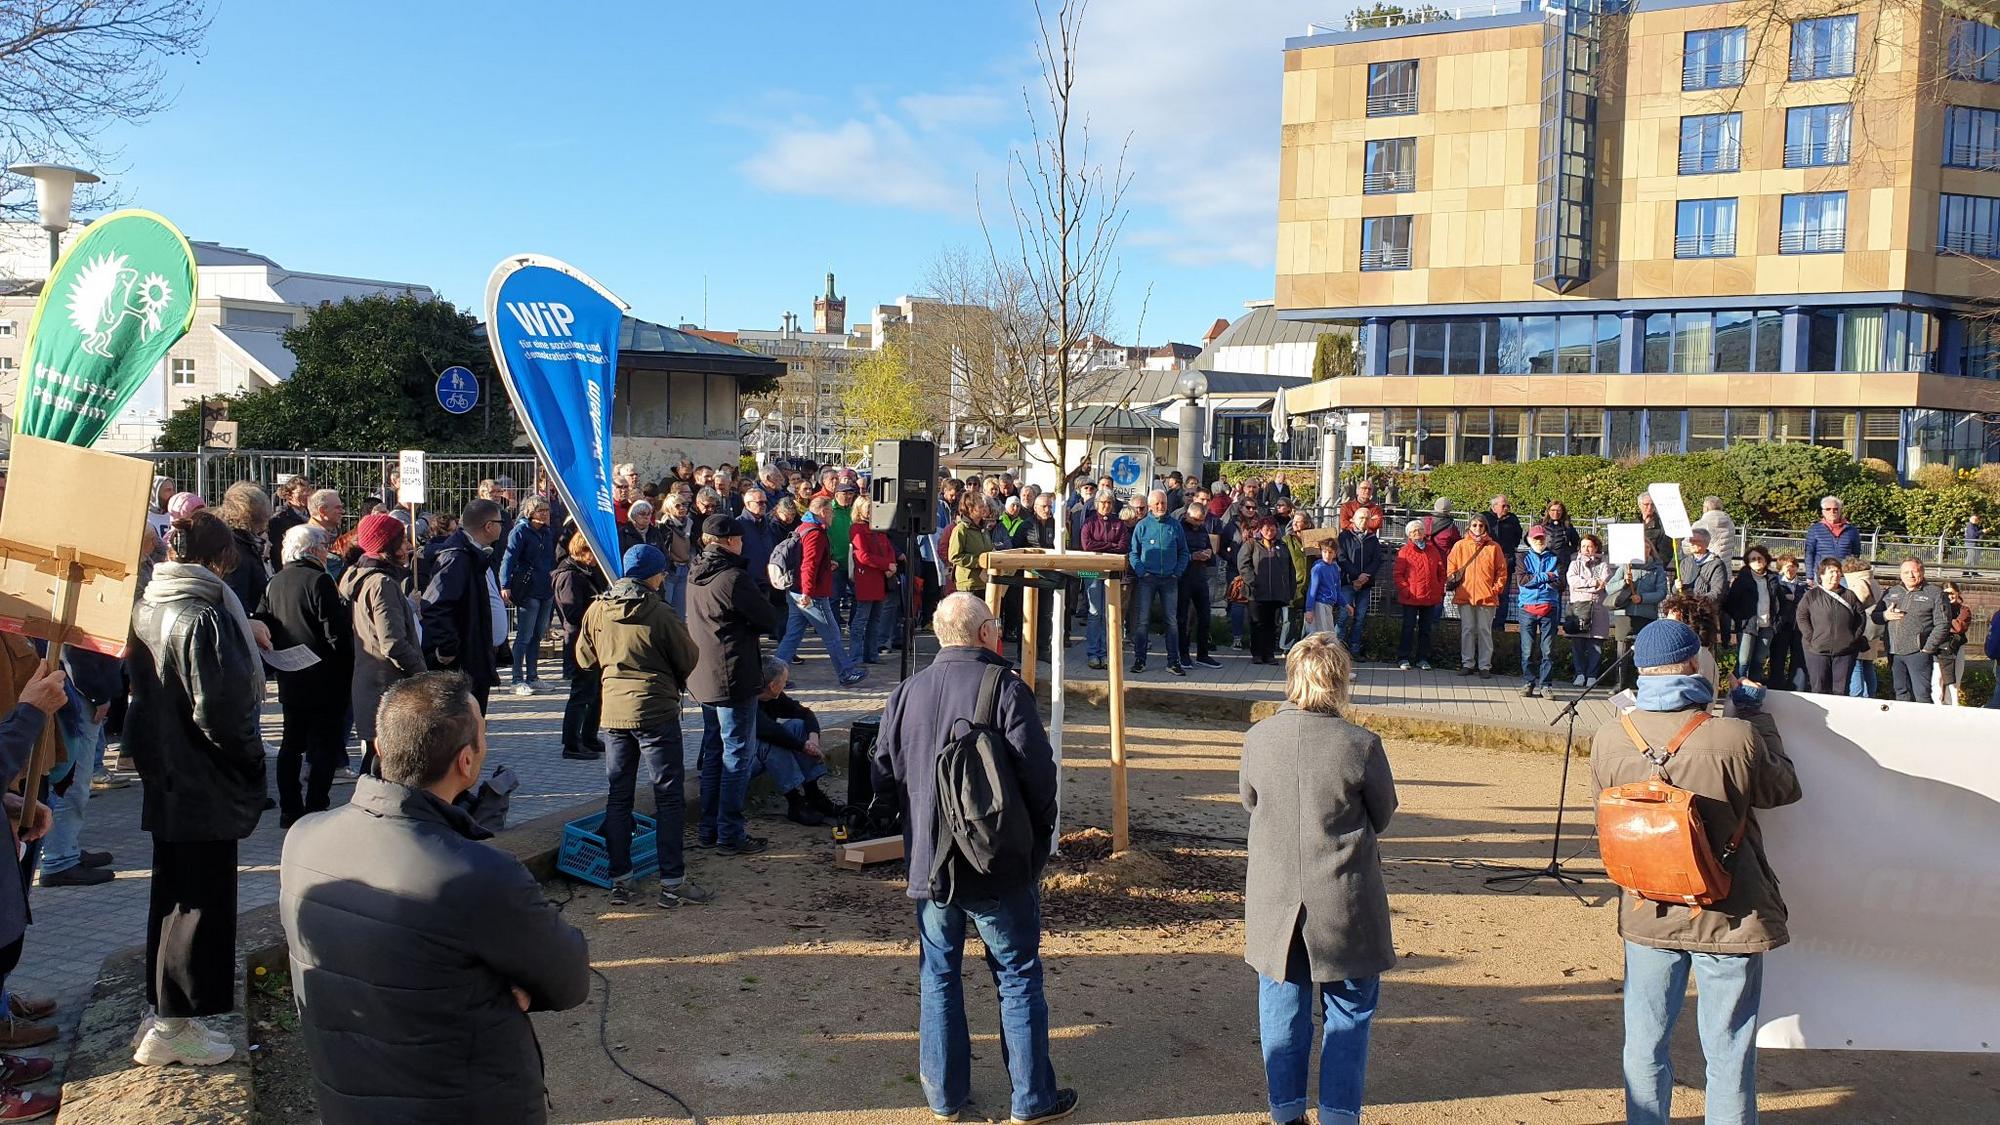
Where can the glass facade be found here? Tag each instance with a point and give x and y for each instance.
(1974, 51)
(1872, 339)
(1732, 340)
(1504, 345)
(1823, 48)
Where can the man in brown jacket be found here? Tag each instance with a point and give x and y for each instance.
(1735, 765)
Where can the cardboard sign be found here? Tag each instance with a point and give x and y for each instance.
(49, 482)
(410, 493)
(1673, 511)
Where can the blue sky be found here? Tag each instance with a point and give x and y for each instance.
(759, 144)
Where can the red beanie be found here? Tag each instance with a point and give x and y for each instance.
(379, 534)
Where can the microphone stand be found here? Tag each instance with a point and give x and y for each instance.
(1553, 869)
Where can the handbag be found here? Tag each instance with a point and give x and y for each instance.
(1239, 591)
(1576, 618)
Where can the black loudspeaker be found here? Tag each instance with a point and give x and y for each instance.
(903, 488)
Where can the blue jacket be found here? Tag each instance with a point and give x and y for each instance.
(529, 563)
(1159, 550)
(1822, 543)
(1541, 578)
(920, 713)
(1993, 639)
(760, 538)
(1649, 581)
(1326, 585)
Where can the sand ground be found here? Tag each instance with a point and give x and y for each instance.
(793, 997)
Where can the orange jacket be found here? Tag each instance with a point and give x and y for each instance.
(1485, 566)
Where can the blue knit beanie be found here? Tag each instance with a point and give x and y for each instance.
(1665, 642)
(644, 561)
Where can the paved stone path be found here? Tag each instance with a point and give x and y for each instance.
(76, 928)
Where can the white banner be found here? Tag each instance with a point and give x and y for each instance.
(1890, 865)
(1672, 511)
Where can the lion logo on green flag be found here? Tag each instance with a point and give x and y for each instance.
(106, 292)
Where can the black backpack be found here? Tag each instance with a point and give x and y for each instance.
(983, 826)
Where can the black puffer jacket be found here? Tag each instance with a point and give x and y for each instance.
(192, 727)
(408, 935)
(575, 585)
(303, 607)
(727, 613)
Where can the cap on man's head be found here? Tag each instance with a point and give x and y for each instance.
(720, 526)
(847, 485)
(1663, 643)
(643, 561)
(1538, 532)
(1441, 506)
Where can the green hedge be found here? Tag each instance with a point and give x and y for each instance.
(1761, 484)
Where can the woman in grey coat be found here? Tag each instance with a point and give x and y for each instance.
(1318, 790)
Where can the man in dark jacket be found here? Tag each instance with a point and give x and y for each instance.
(921, 713)
(1703, 572)
(761, 535)
(1734, 766)
(462, 626)
(788, 749)
(1918, 619)
(417, 951)
(302, 607)
(727, 614)
(1505, 527)
(291, 496)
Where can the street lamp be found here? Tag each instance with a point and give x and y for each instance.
(1192, 387)
(55, 189)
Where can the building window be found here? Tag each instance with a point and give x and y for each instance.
(1881, 434)
(1586, 432)
(1749, 425)
(1711, 142)
(1969, 225)
(1385, 243)
(1538, 344)
(1551, 432)
(1980, 357)
(1974, 54)
(1972, 138)
(1506, 435)
(1872, 339)
(6, 364)
(1823, 48)
(1834, 429)
(1465, 352)
(1706, 429)
(1793, 426)
(182, 371)
(1427, 346)
(1475, 436)
(1390, 166)
(1713, 59)
(1730, 340)
(1816, 135)
(1399, 348)
(6, 328)
(1392, 88)
(1767, 350)
(1624, 430)
(1705, 228)
(1694, 343)
(1814, 223)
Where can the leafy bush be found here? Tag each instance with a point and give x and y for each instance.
(1781, 483)
(1930, 512)
(1882, 472)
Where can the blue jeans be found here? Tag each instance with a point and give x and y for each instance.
(1586, 653)
(1655, 988)
(1094, 647)
(789, 769)
(1543, 629)
(1239, 621)
(1753, 652)
(1911, 675)
(1285, 1018)
(1011, 927)
(531, 624)
(1416, 640)
(676, 590)
(1168, 590)
(1863, 682)
(728, 754)
(660, 747)
(62, 848)
(870, 623)
(1351, 634)
(821, 617)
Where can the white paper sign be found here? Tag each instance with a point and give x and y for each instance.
(1887, 865)
(411, 491)
(1357, 429)
(1627, 543)
(1673, 511)
(297, 658)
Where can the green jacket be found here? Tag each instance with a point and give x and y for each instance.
(964, 550)
(839, 534)
(644, 651)
(1301, 569)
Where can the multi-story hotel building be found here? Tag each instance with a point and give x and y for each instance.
(1621, 229)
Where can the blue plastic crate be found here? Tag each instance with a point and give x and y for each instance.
(585, 857)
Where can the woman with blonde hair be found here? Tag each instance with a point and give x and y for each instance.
(1316, 912)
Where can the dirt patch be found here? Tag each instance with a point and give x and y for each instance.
(280, 1073)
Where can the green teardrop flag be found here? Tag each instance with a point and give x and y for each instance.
(117, 300)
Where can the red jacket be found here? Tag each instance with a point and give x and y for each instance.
(873, 555)
(1419, 575)
(815, 560)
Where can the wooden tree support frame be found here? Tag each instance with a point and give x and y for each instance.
(71, 568)
(1112, 569)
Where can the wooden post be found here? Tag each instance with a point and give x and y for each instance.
(994, 592)
(51, 749)
(1031, 609)
(1114, 636)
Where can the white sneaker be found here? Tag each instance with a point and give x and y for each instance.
(344, 776)
(524, 689)
(1578, 681)
(190, 1046)
(146, 1024)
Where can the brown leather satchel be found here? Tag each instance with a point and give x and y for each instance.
(1651, 835)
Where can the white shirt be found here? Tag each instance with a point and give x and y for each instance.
(496, 607)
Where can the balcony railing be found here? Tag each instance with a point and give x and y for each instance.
(1705, 245)
(1810, 241)
(1392, 105)
(1385, 258)
(1808, 65)
(1384, 183)
(1972, 244)
(1699, 162)
(1985, 157)
(1814, 154)
(1711, 76)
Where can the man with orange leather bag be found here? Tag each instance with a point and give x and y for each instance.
(1679, 834)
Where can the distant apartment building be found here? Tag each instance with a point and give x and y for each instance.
(1582, 227)
(806, 415)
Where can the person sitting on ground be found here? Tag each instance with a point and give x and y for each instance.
(1316, 911)
(418, 950)
(1734, 766)
(788, 749)
(1006, 909)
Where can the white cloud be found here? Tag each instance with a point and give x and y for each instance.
(877, 161)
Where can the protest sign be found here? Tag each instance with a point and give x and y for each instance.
(48, 484)
(1887, 869)
(1673, 511)
(1625, 543)
(120, 296)
(554, 334)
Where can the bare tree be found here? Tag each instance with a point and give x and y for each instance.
(69, 68)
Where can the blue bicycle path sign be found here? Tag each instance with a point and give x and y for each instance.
(457, 390)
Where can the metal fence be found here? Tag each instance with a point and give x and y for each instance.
(451, 479)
